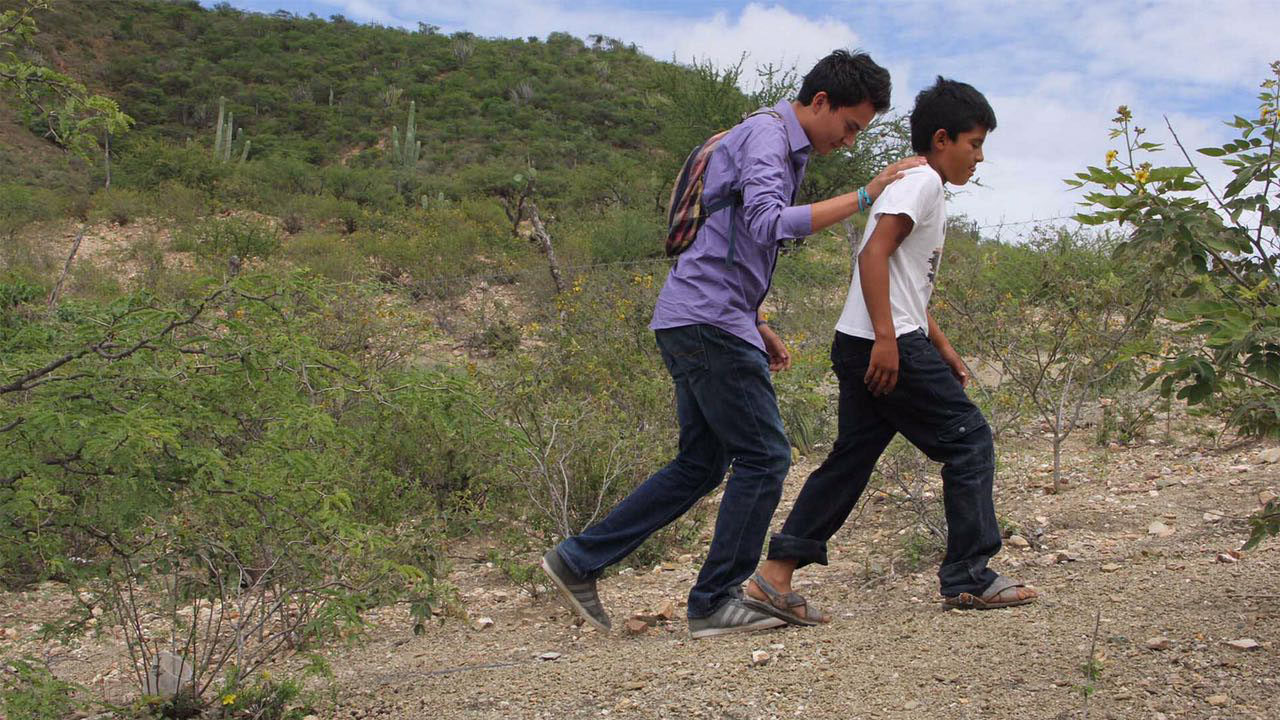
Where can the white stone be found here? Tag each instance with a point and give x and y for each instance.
(1245, 644)
(760, 657)
(168, 674)
(1159, 529)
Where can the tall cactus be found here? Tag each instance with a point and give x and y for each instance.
(406, 152)
(217, 138)
(226, 134)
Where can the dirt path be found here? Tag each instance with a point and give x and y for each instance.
(892, 653)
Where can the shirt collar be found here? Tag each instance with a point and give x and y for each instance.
(795, 133)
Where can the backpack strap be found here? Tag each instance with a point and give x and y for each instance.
(736, 198)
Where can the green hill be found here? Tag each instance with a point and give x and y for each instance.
(603, 125)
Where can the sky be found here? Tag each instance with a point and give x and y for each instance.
(1054, 72)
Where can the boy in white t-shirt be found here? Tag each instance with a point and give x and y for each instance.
(899, 374)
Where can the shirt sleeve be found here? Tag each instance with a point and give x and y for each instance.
(764, 164)
(914, 196)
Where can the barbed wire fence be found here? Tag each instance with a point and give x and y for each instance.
(810, 284)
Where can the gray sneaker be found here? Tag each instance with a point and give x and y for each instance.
(732, 617)
(579, 593)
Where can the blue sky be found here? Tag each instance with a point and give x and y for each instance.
(1054, 71)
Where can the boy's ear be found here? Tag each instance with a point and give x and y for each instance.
(940, 138)
(819, 100)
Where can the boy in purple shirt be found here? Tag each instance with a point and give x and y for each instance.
(720, 352)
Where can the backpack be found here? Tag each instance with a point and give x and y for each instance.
(686, 212)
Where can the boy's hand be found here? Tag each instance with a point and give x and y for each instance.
(779, 358)
(882, 373)
(891, 173)
(953, 361)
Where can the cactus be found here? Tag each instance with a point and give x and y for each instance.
(217, 138)
(406, 152)
(226, 134)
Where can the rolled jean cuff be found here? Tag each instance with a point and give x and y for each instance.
(804, 551)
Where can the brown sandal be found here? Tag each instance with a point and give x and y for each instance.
(991, 597)
(784, 605)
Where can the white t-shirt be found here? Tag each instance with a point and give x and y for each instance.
(913, 267)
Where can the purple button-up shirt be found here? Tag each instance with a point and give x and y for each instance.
(765, 159)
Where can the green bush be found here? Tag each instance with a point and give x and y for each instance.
(119, 205)
(223, 237)
(328, 254)
(28, 690)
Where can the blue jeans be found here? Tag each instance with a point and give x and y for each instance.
(727, 411)
(930, 408)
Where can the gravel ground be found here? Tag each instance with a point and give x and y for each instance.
(1139, 541)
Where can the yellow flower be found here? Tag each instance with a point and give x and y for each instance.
(229, 699)
(1111, 157)
(1142, 175)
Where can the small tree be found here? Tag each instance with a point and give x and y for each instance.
(1219, 247)
(1060, 321)
(71, 116)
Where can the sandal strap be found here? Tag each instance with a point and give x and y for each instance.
(999, 585)
(776, 598)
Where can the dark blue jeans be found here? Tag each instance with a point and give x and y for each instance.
(930, 408)
(727, 411)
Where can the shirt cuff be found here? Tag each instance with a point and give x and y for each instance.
(796, 221)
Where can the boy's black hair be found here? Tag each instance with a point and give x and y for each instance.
(952, 106)
(848, 79)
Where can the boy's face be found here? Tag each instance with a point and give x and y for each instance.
(833, 129)
(957, 159)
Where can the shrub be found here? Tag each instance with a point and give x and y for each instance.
(327, 254)
(118, 205)
(29, 690)
(214, 445)
(222, 237)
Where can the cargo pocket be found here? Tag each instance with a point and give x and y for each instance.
(967, 423)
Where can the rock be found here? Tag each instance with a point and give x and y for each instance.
(549, 656)
(1213, 517)
(633, 685)
(1266, 496)
(1217, 700)
(635, 626)
(1245, 644)
(1017, 541)
(1158, 643)
(667, 612)
(1270, 456)
(910, 705)
(1227, 558)
(168, 674)
(1240, 468)
(760, 658)
(483, 623)
(1110, 567)
(1159, 529)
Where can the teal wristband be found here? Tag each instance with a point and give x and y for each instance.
(864, 199)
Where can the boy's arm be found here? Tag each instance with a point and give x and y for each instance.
(873, 270)
(831, 211)
(948, 353)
